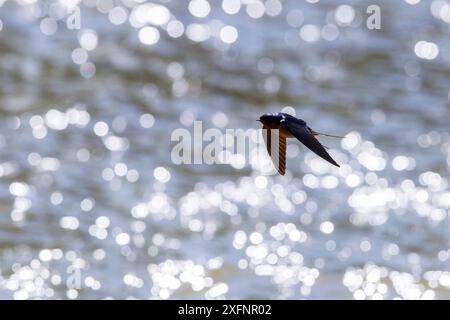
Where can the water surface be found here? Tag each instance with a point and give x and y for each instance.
(93, 207)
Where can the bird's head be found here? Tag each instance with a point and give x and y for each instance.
(270, 118)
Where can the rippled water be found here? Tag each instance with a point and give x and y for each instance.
(92, 206)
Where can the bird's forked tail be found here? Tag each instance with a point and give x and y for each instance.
(325, 134)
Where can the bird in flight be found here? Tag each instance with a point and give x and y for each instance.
(278, 127)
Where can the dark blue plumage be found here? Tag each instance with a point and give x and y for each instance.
(287, 126)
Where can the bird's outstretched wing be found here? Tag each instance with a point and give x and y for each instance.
(302, 133)
(276, 147)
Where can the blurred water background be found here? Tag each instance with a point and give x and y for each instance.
(91, 205)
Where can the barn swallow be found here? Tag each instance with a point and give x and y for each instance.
(281, 126)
